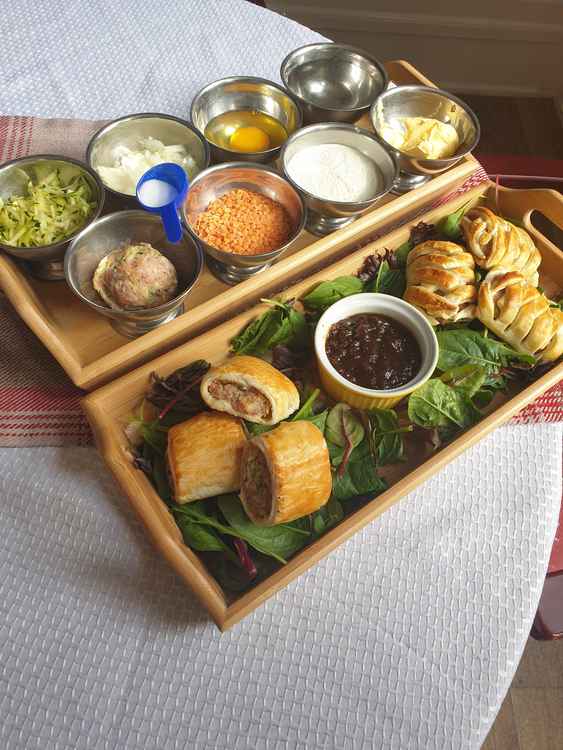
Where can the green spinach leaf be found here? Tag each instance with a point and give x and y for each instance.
(467, 347)
(388, 446)
(279, 542)
(281, 324)
(327, 517)
(388, 281)
(402, 252)
(436, 404)
(328, 292)
(467, 379)
(202, 538)
(450, 226)
(360, 477)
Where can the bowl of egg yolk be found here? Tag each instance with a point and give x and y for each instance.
(245, 118)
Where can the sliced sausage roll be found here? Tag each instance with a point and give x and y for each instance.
(250, 388)
(441, 282)
(520, 315)
(285, 474)
(495, 242)
(204, 455)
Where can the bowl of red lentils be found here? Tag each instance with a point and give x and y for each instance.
(245, 217)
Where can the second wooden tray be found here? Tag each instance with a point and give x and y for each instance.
(92, 352)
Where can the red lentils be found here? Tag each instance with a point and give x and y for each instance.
(244, 222)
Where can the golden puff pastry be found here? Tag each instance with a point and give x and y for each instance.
(517, 313)
(250, 388)
(495, 242)
(441, 282)
(285, 473)
(204, 455)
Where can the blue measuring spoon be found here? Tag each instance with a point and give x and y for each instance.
(162, 190)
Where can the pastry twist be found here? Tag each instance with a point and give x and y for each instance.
(520, 315)
(441, 281)
(494, 242)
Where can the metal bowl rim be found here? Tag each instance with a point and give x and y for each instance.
(104, 309)
(347, 127)
(77, 163)
(143, 116)
(335, 45)
(263, 257)
(250, 79)
(438, 92)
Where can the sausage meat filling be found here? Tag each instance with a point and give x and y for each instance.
(256, 482)
(247, 401)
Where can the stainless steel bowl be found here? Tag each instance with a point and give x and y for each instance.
(325, 216)
(124, 228)
(129, 130)
(424, 101)
(333, 82)
(45, 262)
(215, 182)
(244, 93)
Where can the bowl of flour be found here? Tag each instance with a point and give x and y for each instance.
(340, 170)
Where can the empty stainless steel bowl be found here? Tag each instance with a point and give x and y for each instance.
(215, 182)
(333, 82)
(244, 93)
(323, 215)
(130, 130)
(46, 261)
(424, 101)
(125, 228)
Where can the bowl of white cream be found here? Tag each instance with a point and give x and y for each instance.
(340, 170)
(429, 130)
(123, 150)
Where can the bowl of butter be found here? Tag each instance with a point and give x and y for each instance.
(428, 130)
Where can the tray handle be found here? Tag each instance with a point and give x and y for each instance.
(520, 203)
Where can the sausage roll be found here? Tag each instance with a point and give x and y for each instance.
(250, 388)
(204, 456)
(441, 282)
(495, 242)
(520, 315)
(285, 473)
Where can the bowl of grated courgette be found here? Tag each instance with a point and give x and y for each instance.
(46, 201)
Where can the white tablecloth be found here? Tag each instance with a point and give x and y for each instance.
(406, 637)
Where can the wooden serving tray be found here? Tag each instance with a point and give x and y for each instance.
(109, 409)
(92, 352)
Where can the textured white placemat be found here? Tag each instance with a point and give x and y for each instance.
(405, 637)
(100, 58)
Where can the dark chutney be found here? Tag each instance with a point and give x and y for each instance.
(373, 351)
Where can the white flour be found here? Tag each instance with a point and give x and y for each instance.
(335, 172)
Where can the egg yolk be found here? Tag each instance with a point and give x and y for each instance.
(249, 138)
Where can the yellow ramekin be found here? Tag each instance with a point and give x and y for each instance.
(340, 389)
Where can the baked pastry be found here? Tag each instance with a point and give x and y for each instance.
(519, 314)
(204, 455)
(495, 242)
(285, 473)
(251, 388)
(441, 281)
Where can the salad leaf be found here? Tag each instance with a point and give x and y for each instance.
(360, 476)
(343, 426)
(179, 391)
(281, 324)
(328, 292)
(327, 517)
(254, 429)
(436, 404)
(467, 379)
(202, 538)
(279, 542)
(402, 252)
(307, 412)
(450, 225)
(467, 347)
(387, 436)
(388, 281)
